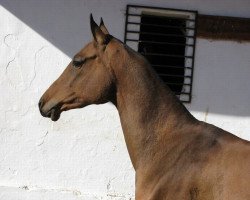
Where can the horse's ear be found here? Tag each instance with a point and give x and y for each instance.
(103, 27)
(97, 33)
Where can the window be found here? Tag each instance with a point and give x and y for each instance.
(166, 37)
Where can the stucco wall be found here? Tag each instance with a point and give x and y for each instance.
(83, 155)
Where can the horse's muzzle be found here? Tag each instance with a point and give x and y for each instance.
(53, 112)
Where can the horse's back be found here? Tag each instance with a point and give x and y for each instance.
(217, 167)
(235, 168)
(227, 171)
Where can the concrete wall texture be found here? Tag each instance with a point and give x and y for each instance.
(83, 155)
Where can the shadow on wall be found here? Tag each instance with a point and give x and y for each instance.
(65, 24)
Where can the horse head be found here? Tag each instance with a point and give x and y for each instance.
(88, 78)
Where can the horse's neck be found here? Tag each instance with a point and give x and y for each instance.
(148, 110)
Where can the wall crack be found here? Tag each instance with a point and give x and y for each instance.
(34, 67)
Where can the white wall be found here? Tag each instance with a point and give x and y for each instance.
(83, 155)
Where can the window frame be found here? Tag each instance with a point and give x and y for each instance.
(185, 97)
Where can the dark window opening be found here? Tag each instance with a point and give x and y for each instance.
(166, 37)
(167, 54)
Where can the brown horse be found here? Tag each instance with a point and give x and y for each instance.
(175, 156)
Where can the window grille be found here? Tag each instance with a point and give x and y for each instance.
(166, 37)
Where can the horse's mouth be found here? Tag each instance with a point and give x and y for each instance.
(54, 114)
(57, 108)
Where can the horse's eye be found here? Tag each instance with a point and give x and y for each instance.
(78, 62)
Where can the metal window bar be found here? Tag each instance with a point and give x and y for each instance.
(166, 55)
(153, 42)
(157, 25)
(134, 14)
(159, 34)
(169, 66)
(138, 15)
